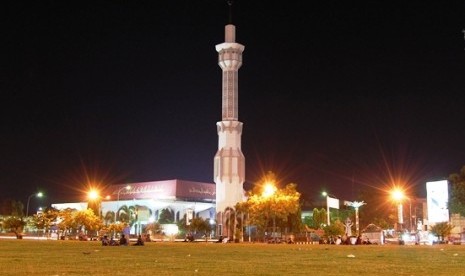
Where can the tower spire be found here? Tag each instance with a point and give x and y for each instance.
(230, 3)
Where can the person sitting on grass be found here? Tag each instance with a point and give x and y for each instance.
(139, 241)
(105, 241)
(113, 242)
(123, 240)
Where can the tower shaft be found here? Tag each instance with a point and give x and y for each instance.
(230, 60)
(229, 161)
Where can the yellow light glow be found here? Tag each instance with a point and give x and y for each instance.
(93, 194)
(397, 194)
(269, 190)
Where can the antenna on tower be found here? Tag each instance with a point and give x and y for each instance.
(230, 2)
(463, 31)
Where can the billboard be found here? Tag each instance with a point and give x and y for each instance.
(332, 202)
(437, 196)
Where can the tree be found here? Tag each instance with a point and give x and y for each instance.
(13, 210)
(319, 217)
(277, 209)
(230, 222)
(46, 219)
(109, 217)
(457, 193)
(154, 229)
(66, 222)
(335, 229)
(133, 215)
(182, 227)
(10, 207)
(166, 216)
(114, 228)
(441, 230)
(86, 219)
(15, 225)
(199, 225)
(123, 214)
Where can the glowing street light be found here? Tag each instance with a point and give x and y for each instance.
(39, 194)
(127, 188)
(398, 195)
(268, 191)
(94, 195)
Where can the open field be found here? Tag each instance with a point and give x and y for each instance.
(60, 258)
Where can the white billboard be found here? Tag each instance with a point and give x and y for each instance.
(332, 202)
(437, 196)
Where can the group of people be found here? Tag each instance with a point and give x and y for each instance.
(109, 242)
(346, 240)
(123, 241)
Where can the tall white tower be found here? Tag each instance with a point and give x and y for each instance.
(229, 162)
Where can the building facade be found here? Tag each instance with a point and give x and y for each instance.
(143, 202)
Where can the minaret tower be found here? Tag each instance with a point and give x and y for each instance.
(229, 162)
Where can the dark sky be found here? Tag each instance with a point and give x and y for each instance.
(334, 95)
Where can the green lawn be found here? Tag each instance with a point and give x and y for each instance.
(59, 258)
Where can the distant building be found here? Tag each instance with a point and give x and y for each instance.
(144, 201)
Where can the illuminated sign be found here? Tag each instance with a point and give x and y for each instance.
(437, 198)
(167, 189)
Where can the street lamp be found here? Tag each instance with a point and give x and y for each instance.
(39, 194)
(269, 191)
(94, 195)
(410, 214)
(127, 188)
(331, 202)
(398, 195)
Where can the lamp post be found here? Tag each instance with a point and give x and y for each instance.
(410, 224)
(127, 188)
(332, 202)
(398, 196)
(410, 215)
(268, 192)
(39, 194)
(248, 225)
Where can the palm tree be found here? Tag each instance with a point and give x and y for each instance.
(123, 214)
(166, 216)
(230, 221)
(109, 217)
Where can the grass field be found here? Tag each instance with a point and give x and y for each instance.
(59, 258)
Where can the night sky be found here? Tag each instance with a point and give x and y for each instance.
(334, 95)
